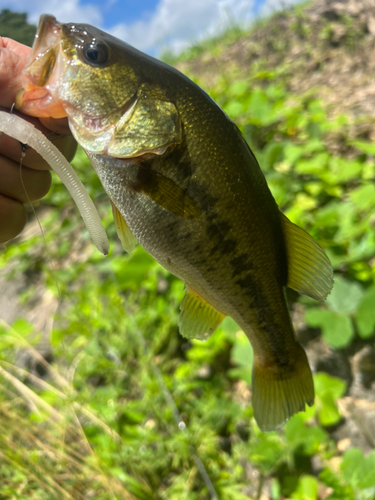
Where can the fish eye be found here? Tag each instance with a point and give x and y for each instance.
(95, 53)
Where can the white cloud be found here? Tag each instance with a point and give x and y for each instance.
(177, 23)
(65, 11)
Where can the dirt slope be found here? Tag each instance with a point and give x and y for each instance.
(327, 45)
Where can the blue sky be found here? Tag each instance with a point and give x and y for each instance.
(133, 10)
(128, 10)
(150, 25)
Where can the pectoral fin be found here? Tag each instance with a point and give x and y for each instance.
(166, 193)
(127, 239)
(309, 269)
(198, 318)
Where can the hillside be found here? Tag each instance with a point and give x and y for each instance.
(326, 47)
(85, 400)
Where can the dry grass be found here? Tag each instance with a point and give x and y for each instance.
(43, 445)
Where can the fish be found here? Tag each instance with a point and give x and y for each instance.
(185, 185)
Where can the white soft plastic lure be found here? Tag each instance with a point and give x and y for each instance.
(25, 132)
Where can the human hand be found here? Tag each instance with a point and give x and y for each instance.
(35, 175)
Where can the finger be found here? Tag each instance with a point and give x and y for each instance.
(66, 144)
(16, 47)
(12, 60)
(12, 149)
(36, 183)
(13, 218)
(11, 66)
(59, 125)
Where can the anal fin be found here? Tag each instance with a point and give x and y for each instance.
(127, 239)
(198, 318)
(309, 269)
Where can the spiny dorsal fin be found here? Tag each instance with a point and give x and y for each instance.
(309, 269)
(127, 239)
(198, 318)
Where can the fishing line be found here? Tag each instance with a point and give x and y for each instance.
(50, 266)
(177, 415)
(49, 259)
(52, 271)
(155, 369)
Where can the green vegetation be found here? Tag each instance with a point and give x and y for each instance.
(213, 45)
(14, 25)
(96, 421)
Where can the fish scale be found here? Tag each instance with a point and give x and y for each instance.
(185, 185)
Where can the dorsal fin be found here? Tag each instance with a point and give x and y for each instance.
(127, 239)
(309, 269)
(198, 318)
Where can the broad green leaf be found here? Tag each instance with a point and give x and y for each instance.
(265, 75)
(342, 170)
(205, 352)
(337, 329)
(229, 326)
(314, 166)
(238, 88)
(365, 315)
(272, 153)
(352, 466)
(233, 109)
(362, 249)
(260, 109)
(314, 188)
(133, 268)
(341, 490)
(345, 296)
(363, 197)
(365, 147)
(244, 373)
(292, 153)
(328, 389)
(327, 216)
(267, 451)
(368, 472)
(314, 145)
(326, 383)
(300, 435)
(328, 413)
(307, 488)
(358, 469)
(242, 352)
(275, 489)
(23, 327)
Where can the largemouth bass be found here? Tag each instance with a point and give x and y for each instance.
(185, 185)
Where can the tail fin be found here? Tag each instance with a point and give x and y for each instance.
(279, 393)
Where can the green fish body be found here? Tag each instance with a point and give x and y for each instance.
(185, 185)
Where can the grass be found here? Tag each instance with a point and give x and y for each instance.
(101, 419)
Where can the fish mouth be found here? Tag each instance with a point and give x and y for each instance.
(97, 133)
(35, 98)
(98, 124)
(44, 51)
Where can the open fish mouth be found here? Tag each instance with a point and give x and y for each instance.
(79, 72)
(35, 95)
(44, 51)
